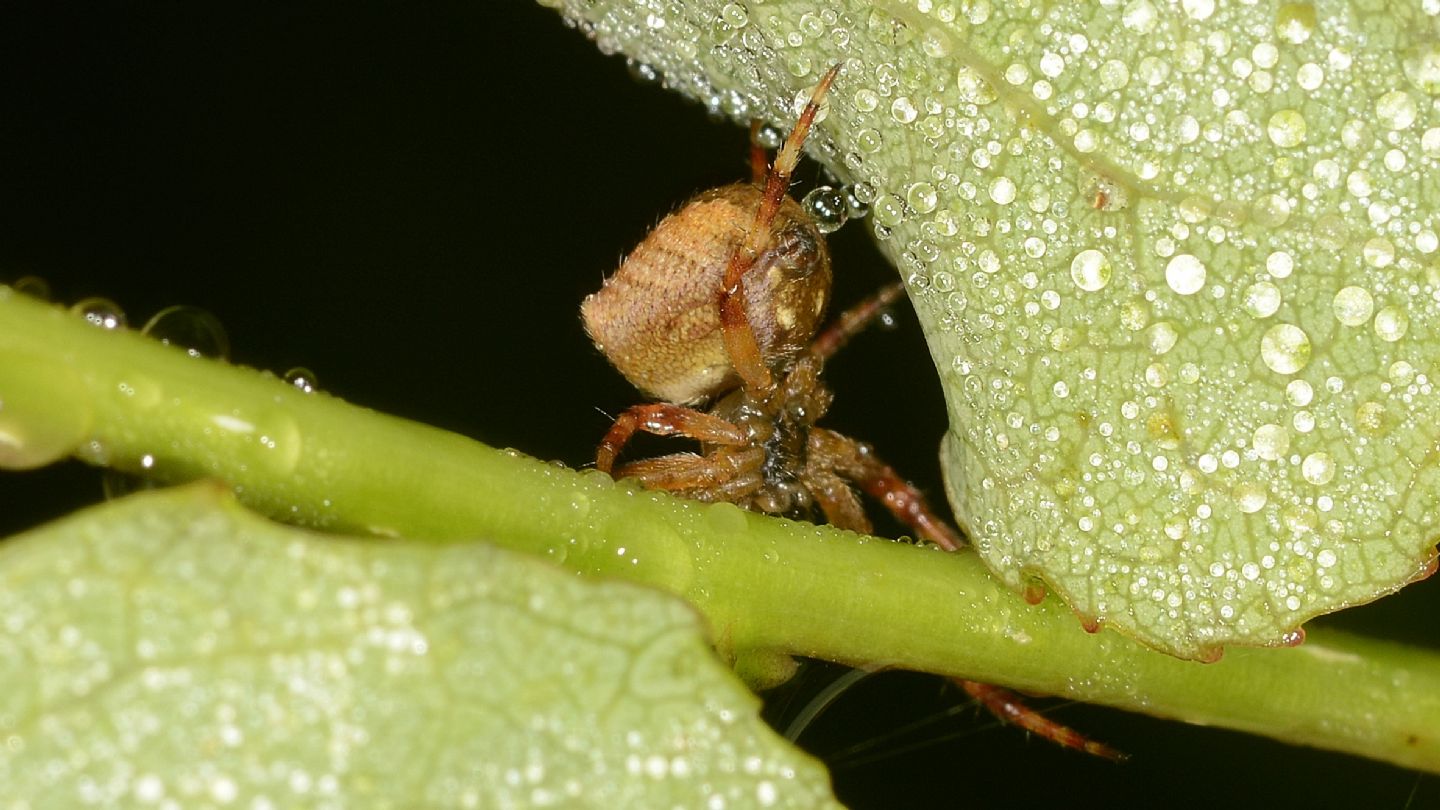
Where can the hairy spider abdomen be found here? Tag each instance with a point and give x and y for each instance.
(657, 319)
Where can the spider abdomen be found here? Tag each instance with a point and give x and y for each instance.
(657, 319)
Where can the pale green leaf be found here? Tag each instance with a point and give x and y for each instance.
(1177, 266)
(175, 648)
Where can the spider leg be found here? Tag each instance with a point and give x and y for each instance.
(857, 462)
(757, 155)
(851, 459)
(853, 320)
(727, 474)
(1009, 707)
(738, 334)
(664, 419)
(839, 503)
(778, 181)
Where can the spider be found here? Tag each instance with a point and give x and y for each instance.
(717, 306)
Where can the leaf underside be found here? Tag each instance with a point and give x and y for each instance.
(1177, 265)
(174, 648)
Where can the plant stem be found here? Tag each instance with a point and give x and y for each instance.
(768, 587)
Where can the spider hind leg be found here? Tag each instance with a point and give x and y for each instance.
(1009, 707)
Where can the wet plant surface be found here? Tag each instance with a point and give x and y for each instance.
(396, 202)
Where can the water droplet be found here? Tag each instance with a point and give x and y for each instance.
(1396, 110)
(1250, 497)
(725, 518)
(1090, 270)
(802, 99)
(1422, 67)
(1294, 22)
(1353, 306)
(1318, 468)
(769, 136)
(1285, 348)
(972, 88)
(276, 432)
(889, 210)
(192, 329)
(1299, 393)
(1370, 417)
(921, 198)
(1262, 299)
(101, 312)
(1052, 64)
(1157, 375)
(642, 72)
(1378, 252)
(1271, 211)
(1198, 9)
(1391, 324)
(827, 207)
(33, 286)
(44, 412)
(1161, 337)
(1140, 16)
(115, 484)
(1002, 190)
(303, 379)
(1133, 316)
(903, 110)
(1185, 274)
(869, 140)
(1271, 442)
(858, 208)
(1279, 264)
(1114, 75)
(1286, 128)
(734, 15)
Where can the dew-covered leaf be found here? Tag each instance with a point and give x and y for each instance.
(1177, 262)
(172, 649)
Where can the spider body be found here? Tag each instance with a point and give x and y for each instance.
(720, 306)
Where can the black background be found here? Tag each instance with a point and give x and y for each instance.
(411, 201)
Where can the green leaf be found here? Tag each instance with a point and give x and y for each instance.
(1177, 266)
(173, 647)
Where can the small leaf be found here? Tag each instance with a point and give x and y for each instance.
(173, 648)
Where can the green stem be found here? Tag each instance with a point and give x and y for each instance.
(768, 587)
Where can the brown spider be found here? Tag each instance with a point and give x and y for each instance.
(718, 305)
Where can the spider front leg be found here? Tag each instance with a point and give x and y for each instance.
(830, 451)
(737, 331)
(664, 419)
